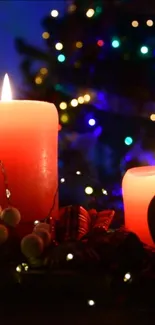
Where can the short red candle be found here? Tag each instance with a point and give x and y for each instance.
(28, 150)
(138, 190)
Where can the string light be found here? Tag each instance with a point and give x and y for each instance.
(64, 118)
(115, 43)
(86, 97)
(144, 49)
(128, 141)
(22, 267)
(38, 80)
(104, 191)
(72, 8)
(45, 35)
(135, 23)
(61, 58)
(69, 257)
(74, 102)
(80, 100)
(127, 277)
(59, 46)
(89, 190)
(63, 105)
(36, 222)
(54, 13)
(149, 23)
(100, 42)
(78, 172)
(43, 71)
(91, 122)
(79, 45)
(90, 13)
(152, 117)
(91, 302)
(62, 180)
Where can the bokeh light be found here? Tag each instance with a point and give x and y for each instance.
(135, 23)
(100, 42)
(149, 23)
(115, 43)
(79, 45)
(80, 100)
(59, 46)
(38, 80)
(127, 277)
(71, 8)
(64, 118)
(45, 35)
(63, 105)
(61, 58)
(91, 302)
(62, 180)
(90, 13)
(144, 49)
(78, 172)
(43, 71)
(91, 122)
(74, 102)
(128, 141)
(89, 190)
(54, 13)
(152, 117)
(86, 97)
(69, 257)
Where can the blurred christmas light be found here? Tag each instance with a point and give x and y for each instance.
(91, 302)
(78, 172)
(100, 42)
(45, 35)
(72, 8)
(38, 80)
(127, 277)
(74, 102)
(54, 13)
(135, 23)
(149, 22)
(36, 222)
(89, 190)
(62, 180)
(80, 100)
(115, 43)
(144, 49)
(61, 58)
(79, 45)
(63, 105)
(91, 122)
(104, 191)
(59, 46)
(128, 141)
(98, 10)
(152, 117)
(64, 118)
(43, 71)
(69, 257)
(90, 13)
(86, 97)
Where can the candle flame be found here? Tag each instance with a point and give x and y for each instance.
(6, 90)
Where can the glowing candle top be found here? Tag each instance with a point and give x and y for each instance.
(6, 94)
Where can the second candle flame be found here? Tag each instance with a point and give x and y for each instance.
(6, 94)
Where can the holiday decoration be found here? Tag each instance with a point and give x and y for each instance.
(3, 234)
(138, 192)
(42, 225)
(32, 246)
(11, 216)
(31, 170)
(44, 235)
(104, 219)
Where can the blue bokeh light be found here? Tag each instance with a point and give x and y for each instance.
(128, 141)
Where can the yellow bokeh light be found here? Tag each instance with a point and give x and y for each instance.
(64, 118)
(74, 102)
(45, 35)
(63, 105)
(80, 100)
(43, 71)
(86, 97)
(79, 45)
(38, 80)
(54, 13)
(152, 117)
(149, 22)
(89, 190)
(59, 46)
(72, 8)
(135, 23)
(90, 13)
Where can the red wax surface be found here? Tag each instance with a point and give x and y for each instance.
(138, 190)
(28, 149)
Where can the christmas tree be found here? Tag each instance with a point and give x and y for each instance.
(98, 68)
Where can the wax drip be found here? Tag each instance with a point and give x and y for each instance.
(7, 191)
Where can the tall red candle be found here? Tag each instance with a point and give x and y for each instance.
(28, 150)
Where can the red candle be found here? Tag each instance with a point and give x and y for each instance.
(138, 196)
(28, 150)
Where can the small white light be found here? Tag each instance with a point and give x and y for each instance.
(78, 172)
(62, 180)
(69, 257)
(6, 90)
(104, 192)
(127, 277)
(25, 266)
(91, 302)
(54, 13)
(36, 222)
(8, 193)
(89, 190)
(19, 268)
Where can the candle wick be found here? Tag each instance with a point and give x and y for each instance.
(7, 191)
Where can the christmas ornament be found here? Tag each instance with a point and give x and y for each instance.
(42, 225)
(44, 235)
(104, 219)
(32, 246)
(11, 216)
(3, 234)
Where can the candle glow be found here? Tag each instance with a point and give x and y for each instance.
(6, 90)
